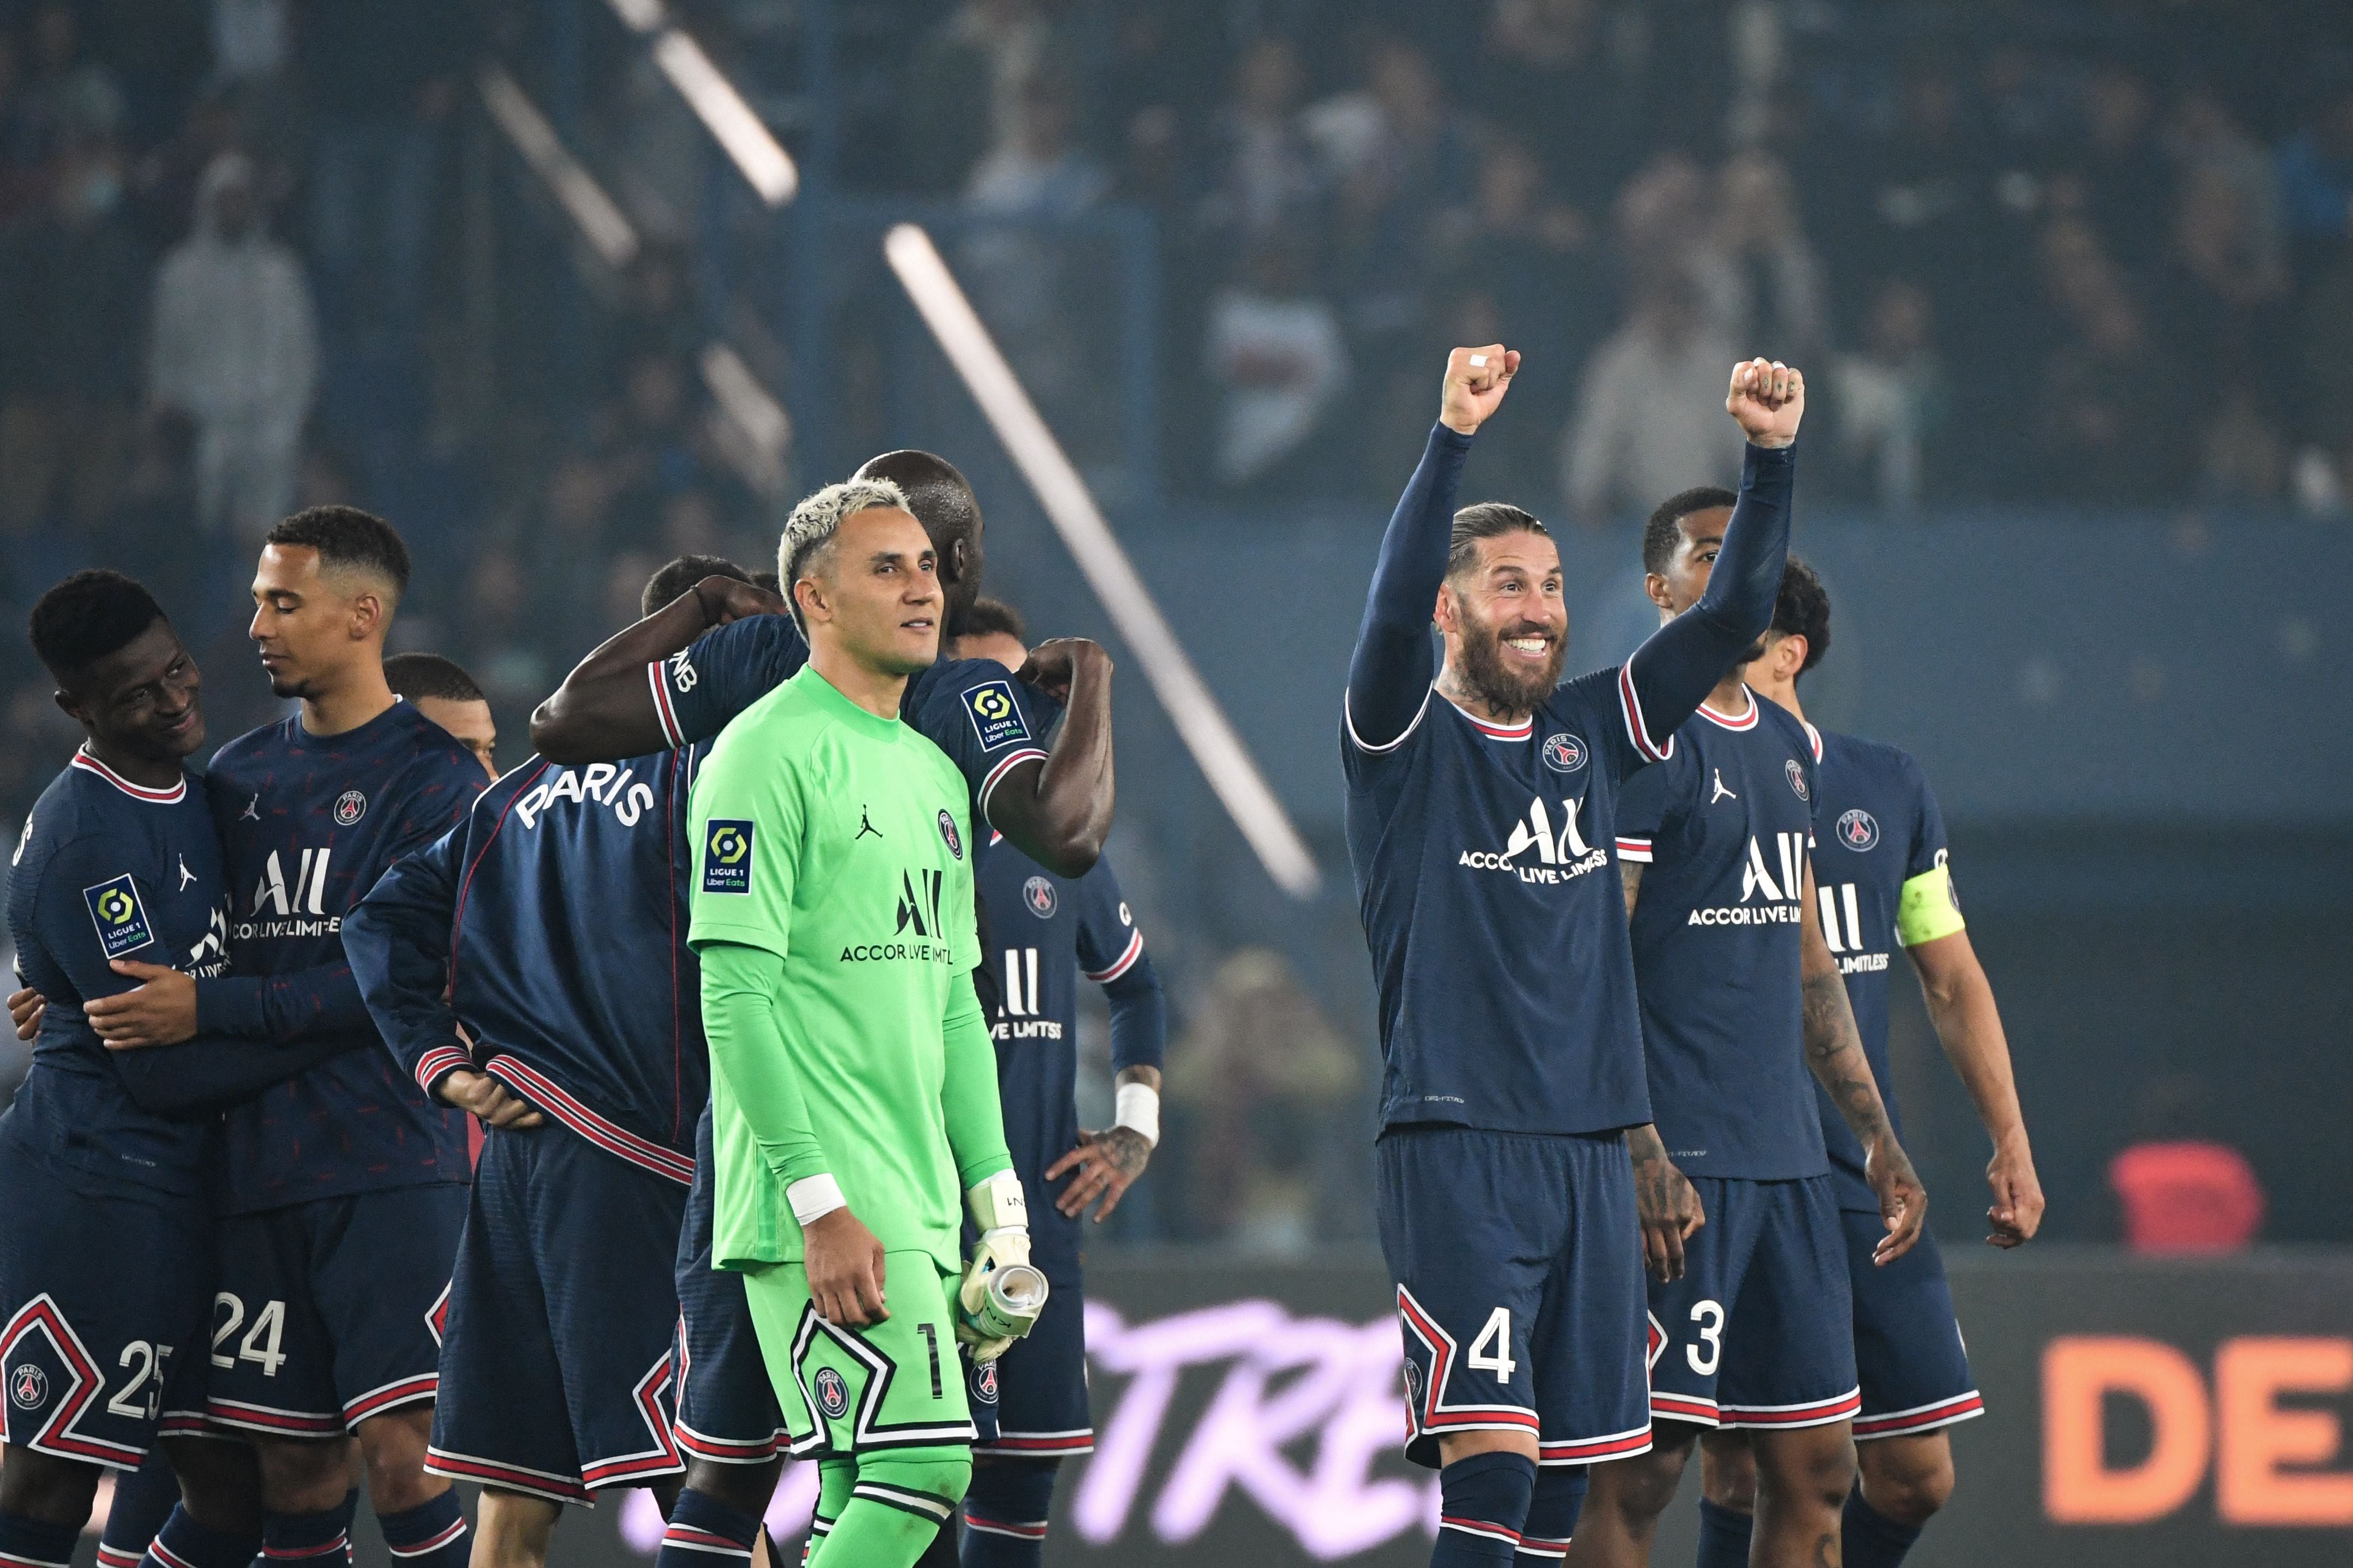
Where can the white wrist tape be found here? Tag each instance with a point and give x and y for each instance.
(998, 1203)
(814, 1197)
(1139, 1111)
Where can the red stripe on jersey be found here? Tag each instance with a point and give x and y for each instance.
(1125, 962)
(89, 764)
(609, 1136)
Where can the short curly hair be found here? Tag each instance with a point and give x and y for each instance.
(87, 617)
(1802, 608)
(810, 529)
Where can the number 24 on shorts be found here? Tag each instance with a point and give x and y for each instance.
(271, 1321)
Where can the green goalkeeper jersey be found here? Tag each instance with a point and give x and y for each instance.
(832, 910)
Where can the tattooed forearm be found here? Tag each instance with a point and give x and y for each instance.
(1834, 1053)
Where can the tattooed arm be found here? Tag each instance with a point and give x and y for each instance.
(1667, 1202)
(1834, 1053)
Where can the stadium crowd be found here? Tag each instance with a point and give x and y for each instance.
(233, 277)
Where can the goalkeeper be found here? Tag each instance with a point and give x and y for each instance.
(853, 1081)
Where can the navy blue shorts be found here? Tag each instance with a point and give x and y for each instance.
(1518, 1262)
(555, 1376)
(727, 1410)
(102, 1299)
(330, 1312)
(1907, 1341)
(1757, 1333)
(1034, 1397)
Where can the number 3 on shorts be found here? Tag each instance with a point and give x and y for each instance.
(1709, 1316)
(1497, 1333)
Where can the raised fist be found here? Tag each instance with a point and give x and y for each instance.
(1476, 380)
(1767, 398)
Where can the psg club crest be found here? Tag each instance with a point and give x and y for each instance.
(1412, 1384)
(984, 1383)
(28, 1385)
(1858, 830)
(1039, 895)
(832, 1393)
(350, 806)
(1564, 754)
(1797, 778)
(949, 832)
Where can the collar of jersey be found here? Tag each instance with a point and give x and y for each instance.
(1494, 731)
(830, 695)
(1746, 721)
(172, 796)
(1815, 736)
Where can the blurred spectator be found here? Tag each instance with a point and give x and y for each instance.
(236, 351)
(68, 96)
(2207, 140)
(2111, 411)
(1650, 418)
(251, 40)
(1266, 1081)
(2118, 176)
(964, 94)
(2315, 177)
(1035, 169)
(1889, 398)
(2182, 1191)
(384, 83)
(1549, 81)
(1264, 173)
(1767, 285)
(1276, 353)
(73, 284)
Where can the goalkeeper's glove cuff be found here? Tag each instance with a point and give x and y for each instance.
(997, 1204)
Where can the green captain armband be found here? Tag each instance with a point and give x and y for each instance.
(1929, 910)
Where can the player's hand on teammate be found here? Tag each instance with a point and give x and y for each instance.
(1769, 399)
(1107, 1163)
(160, 1010)
(24, 1010)
(2016, 1212)
(497, 1105)
(1903, 1201)
(844, 1264)
(1476, 380)
(1053, 664)
(1666, 1201)
(723, 599)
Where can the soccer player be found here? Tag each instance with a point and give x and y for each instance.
(341, 1194)
(853, 1085)
(533, 919)
(1749, 1328)
(106, 1251)
(1885, 884)
(1045, 930)
(1481, 816)
(441, 688)
(682, 674)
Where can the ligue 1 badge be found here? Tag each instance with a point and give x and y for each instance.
(1564, 754)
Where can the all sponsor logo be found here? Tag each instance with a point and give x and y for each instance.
(1039, 895)
(121, 918)
(1858, 830)
(350, 806)
(1564, 754)
(1781, 887)
(727, 856)
(1535, 853)
(996, 717)
(832, 1393)
(29, 1386)
(949, 835)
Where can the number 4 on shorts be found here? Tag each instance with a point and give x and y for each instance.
(1497, 1333)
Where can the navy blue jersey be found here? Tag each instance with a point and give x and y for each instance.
(1879, 831)
(1043, 931)
(1482, 852)
(972, 709)
(307, 825)
(1498, 931)
(1722, 830)
(555, 915)
(109, 870)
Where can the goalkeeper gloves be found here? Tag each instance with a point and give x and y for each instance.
(1002, 1213)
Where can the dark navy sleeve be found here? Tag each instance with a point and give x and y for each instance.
(275, 1008)
(986, 720)
(1646, 804)
(201, 1073)
(1390, 671)
(1111, 953)
(699, 690)
(399, 941)
(1671, 675)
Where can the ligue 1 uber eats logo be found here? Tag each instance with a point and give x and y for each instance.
(727, 856)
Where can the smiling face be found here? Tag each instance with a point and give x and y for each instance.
(873, 593)
(1505, 624)
(143, 701)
